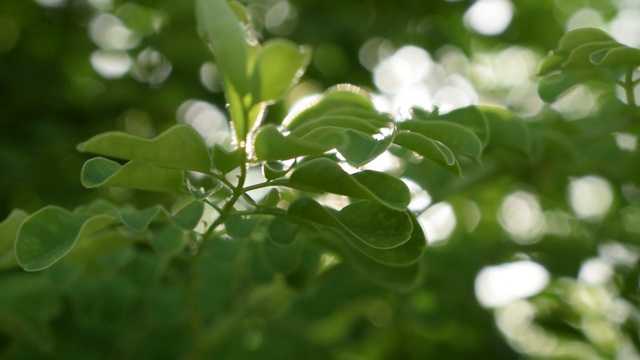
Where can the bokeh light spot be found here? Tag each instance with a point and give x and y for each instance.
(499, 285)
(438, 222)
(590, 196)
(489, 17)
(111, 64)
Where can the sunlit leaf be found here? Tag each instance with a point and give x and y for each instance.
(404, 254)
(623, 56)
(387, 234)
(456, 137)
(101, 172)
(379, 226)
(324, 175)
(278, 66)
(8, 231)
(429, 148)
(222, 30)
(472, 119)
(582, 55)
(359, 148)
(551, 63)
(553, 86)
(271, 145)
(180, 147)
(50, 233)
(577, 37)
(333, 98)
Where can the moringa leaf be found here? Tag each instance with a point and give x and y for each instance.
(456, 137)
(581, 36)
(180, 147)
(385, 235)
(50, 233)
(324, 175)
(279, 65)
(219, 26)
(98, 172)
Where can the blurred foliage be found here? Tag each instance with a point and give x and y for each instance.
(143, 302)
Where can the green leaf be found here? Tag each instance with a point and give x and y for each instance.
(324, 175)
(341, 121)
(225, 161)
(308, 267)
(551, 63)
(180, 147)
(581, 56)
(359, 148)
(577, 37)
(283, 258)
(168, 240)
(240, 226)
(98, 172)
(379, 226)
(553, 86)
(472, 119)
(222, 30)
(387, 234)
(272, 198)
(428, 148)
(189, 216)
(507, 130)
(282, 231)
(8, 231)
(278, 67)
(622, 56)
(275, 170)
(139, 220)
(337, 97)
(396, 277)
(50, 233)
(456, 137)
(271, 145)
(405, 254)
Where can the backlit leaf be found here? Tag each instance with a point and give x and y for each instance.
(577, 37)
(456, 137)
(278, 66)
(180, 147)
(99, 172)
(324, 175)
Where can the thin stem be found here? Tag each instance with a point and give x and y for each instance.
(216, 207)
(629, 88)
(221, 178)
(279, 182)
(237, 193)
